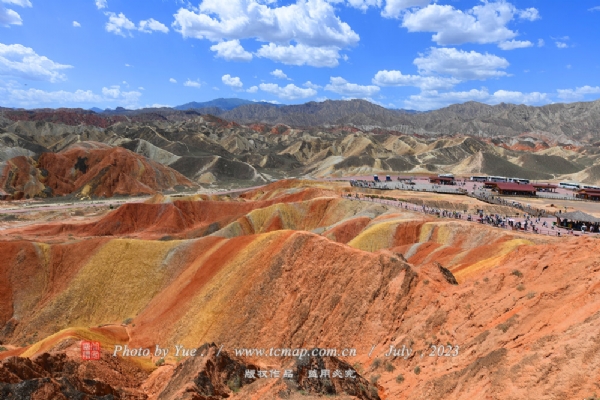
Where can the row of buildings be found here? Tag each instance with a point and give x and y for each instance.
(520, 187)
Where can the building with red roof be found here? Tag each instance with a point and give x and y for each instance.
(515, 189)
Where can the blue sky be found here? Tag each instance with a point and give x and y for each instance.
(415, 54)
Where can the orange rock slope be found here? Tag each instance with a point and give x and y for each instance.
(88, 170)
(303, 269)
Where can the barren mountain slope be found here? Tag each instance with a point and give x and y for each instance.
(298, 266)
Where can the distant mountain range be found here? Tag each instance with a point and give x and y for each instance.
(565, 124)
(223, 104)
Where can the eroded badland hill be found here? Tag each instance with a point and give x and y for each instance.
(254, 144)
(295, 264)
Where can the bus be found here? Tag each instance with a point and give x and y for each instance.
(478, 179)
(570, 185)
(590, 187)
(517, 180)
(498, 179)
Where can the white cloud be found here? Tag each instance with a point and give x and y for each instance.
(307, 32)
(118, 24)
(279, 74)
(393, 8)
(289, 92)
(429, 100)
(231, 50)
(233, 81)
(311, 85)
(506, 96)
(172, 80)
(32, 97)
(484, 23)
(20, 3)
(541, 43)
(36, 97)
(191, 83)
(561, 45)
(530, 14)
(101, 4)
(514, 44)
(76, 24)
(19, 61)
(597, 8)
(364, 4)
(253, 89)
(152, 25)
(460, 64)
(341, 86)
(9, 17)
(309, 22)
(301, 54)
(158, 106)
(577, 93)
(396, 78)
(128, 66)
(141, 88)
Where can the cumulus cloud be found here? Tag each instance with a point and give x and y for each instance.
(482, 24)
(364, 4)
(530, 14)
(301, 55)
(514, 44)
(289, 92)
(429, 100)
(118, 24)
(394, 8)
(561, 45)
(231, 50)
(101, 4)
(152, 25)
(76, 24)
(597, 8)
(36, 97)
(460, 64)
(121, 25)
(577, 93)
(291, 30)
(172, 80)
(341, 86)
(233, 81)
(507, 96)
(541, 43)
(23, 62)
(20, 3)
(279, 74)
(191, 83)
(396, 78)
(9, 17)
(311, 85)
(310, 22)
(253, 89)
